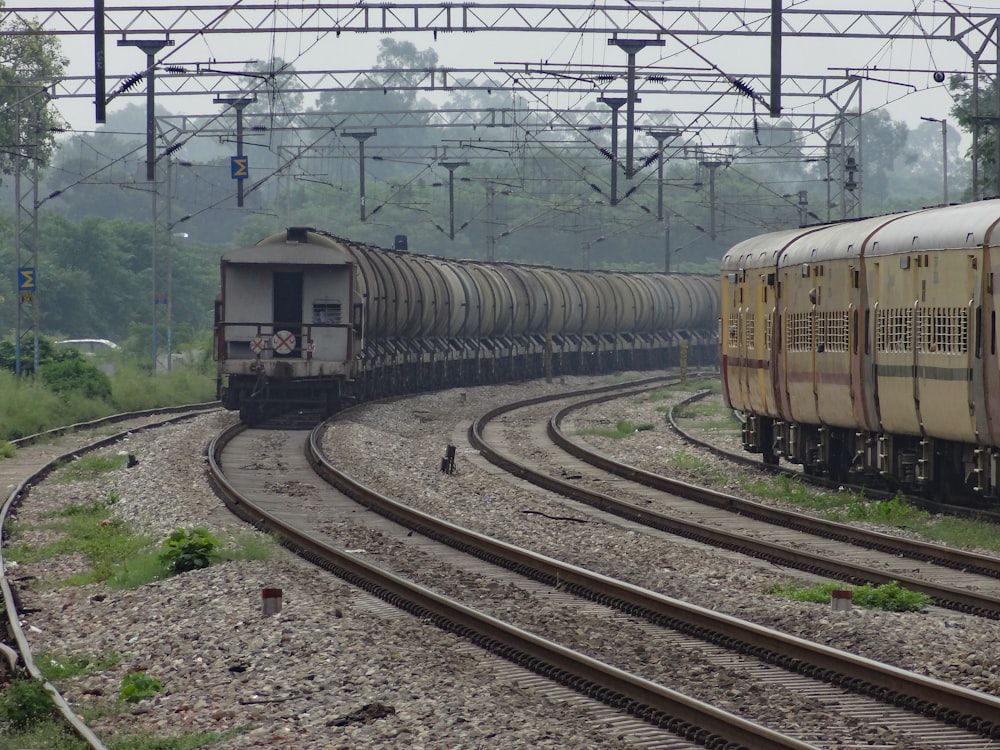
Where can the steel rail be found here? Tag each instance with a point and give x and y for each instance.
(890, 684)
(946, 596)
(644, 699)
(950, 557)
(11, 613)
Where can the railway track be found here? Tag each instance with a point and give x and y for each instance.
(36, 457)
(955, 579)
(295, 496)
(777, 654)
(239, 480)
(528, 441)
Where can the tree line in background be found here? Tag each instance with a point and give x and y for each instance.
(523, 201)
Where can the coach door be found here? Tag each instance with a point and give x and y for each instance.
(287, 295)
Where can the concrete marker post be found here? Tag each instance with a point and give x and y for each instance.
(272, 601)
(841, 599)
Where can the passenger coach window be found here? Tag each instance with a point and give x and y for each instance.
(734, 330)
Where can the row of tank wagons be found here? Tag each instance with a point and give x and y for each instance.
(417, 296)
(284, 320)
(310, 295)
(859, 346)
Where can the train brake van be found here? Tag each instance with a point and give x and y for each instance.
(285, 323)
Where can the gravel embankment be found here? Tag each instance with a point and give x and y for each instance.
(297, 677)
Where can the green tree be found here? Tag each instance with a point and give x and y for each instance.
(29, 62)
(885, 142)
(966, 108)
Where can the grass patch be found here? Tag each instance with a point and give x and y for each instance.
(28, 406)
(898, 513)
(7, 449)
(623, 429)
(53, 735)
(132, 388)
(688, 462)
(794, 491)
(88, 529)
(707, 414)
(660, 394)
(65, 667)
(47, 735)
(895, 512)
(696, 465)
(116, 556)
(248, 547)
(889, 597)
(190, 741)
(89, 467)
(963, 532)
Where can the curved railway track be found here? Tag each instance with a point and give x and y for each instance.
(798, 660)
(500, 450)
(723, 643)
(38, 456)
(238, 480)
(954, 578)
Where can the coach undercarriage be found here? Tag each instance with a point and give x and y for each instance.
(942, 469)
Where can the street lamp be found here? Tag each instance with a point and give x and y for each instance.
(944, 152)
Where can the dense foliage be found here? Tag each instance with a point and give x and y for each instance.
(70, 387)
(26, 58)
(74, 374)
(23, 704)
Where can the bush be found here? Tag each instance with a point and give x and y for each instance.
(189, 550)
(138, 686)
(890, 597)
(8, 354)
(74, 374)
(25, 703)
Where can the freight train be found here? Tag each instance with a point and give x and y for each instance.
(867, 350)
(309, 320)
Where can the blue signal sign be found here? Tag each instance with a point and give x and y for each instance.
(25, 279)
(239, 167)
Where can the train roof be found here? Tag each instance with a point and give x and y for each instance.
(965, 225)
(288, 253)
(955, 227)
(762, 250)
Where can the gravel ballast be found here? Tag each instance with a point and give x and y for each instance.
(318, 673)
